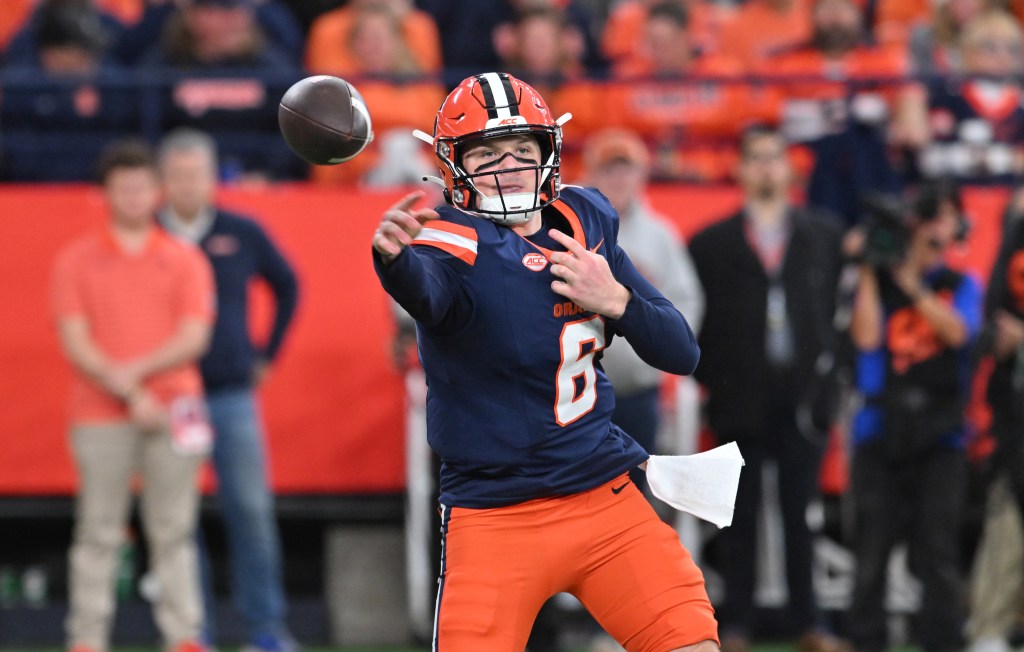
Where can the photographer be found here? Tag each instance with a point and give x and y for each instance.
(912, 324)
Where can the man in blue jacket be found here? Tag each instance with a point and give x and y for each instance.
(239, 251)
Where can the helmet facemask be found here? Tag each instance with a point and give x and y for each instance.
(506, 208)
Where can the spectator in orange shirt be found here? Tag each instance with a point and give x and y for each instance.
(895, 20)
(623, 38)
(395, 96)
(134, 309)
(328, 46)
(679, 99)
(848, 102)
(763, 27)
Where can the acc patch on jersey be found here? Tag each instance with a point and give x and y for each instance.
(535, 261)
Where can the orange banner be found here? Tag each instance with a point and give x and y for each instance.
(333, 404)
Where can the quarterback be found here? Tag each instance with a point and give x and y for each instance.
(517, 284)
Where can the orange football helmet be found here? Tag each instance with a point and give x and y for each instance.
(492, 105)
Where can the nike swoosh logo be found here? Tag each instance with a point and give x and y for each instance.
(618, 490)
(594, 251)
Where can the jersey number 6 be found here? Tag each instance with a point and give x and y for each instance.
(576, 380)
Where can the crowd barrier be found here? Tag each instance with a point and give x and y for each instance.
(334, 403)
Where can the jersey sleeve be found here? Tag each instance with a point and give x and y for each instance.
(655, 329)
(426, 279)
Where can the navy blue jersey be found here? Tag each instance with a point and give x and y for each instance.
(518, 406)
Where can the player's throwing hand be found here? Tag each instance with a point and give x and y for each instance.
(400, 225)
(585, 278)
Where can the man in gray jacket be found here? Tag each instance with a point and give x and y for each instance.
(617, 163)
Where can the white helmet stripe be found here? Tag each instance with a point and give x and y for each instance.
(501, 99)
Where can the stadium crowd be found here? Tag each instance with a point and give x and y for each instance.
(850, 316)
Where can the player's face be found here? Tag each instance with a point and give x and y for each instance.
(190, 180)
(500, 155)
(764, 172)
(133, 195)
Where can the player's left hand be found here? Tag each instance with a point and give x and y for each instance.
(585, 278)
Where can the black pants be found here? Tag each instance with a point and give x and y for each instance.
(920, 501)
(798, 459)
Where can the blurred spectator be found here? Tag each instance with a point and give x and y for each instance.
(24, 46)
(133, 26)
(65, 103)
(332, 42)
(240, 253)
(977, 119)
(913, 323)
(541, 47)
(467, 44)
(623, 40)
(761, 28)
(770, 275)
(895, 20)
(848, 102)
(617, 163)
(134, 308)
(934, 45)
(690, 106)
(217, 34)
(579, 42)
(396, 98)
(275, 20)
(222, 75)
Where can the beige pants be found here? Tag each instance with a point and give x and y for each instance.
(998, 574)
(107, 458)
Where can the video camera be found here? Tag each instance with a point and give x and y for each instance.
(886, 230)
(890, 220)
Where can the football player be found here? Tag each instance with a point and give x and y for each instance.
(516, 286)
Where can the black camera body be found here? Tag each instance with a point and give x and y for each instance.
(886, 231)
(889, 220)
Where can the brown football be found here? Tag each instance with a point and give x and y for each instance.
(324, 120)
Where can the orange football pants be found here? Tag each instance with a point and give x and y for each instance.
(606, 546)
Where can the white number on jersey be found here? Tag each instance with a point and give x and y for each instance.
(577, 365)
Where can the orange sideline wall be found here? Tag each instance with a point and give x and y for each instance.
(333, 404)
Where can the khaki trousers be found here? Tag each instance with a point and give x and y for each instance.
(997, 578)
(107, 457)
